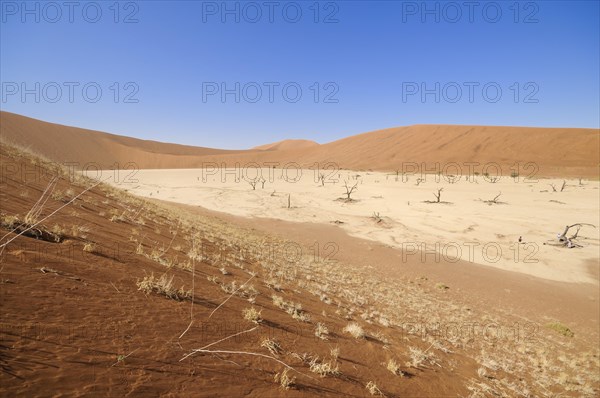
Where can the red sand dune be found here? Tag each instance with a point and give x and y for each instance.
(287, 144)
(563, 152)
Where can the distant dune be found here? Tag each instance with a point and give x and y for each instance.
(558, 152)
(287, 145)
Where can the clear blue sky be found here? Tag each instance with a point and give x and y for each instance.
(371, 61)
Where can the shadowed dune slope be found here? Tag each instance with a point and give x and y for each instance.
(72, 144)
(562, 152)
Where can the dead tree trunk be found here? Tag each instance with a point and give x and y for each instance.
(322, 179)
(438, 195)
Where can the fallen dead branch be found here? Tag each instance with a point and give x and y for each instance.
(2, 246)
(569, 241)
(493, 201)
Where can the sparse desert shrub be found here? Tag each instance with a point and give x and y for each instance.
(58, 230)
(252, 315)
(394, 367)
(373, 389)
(383, 321)
(355, 330)
(323, 368)
(324, 298)
(561, 329)
(278, 301)
(335, 352)
(321, 331)
(273, 346)
(481, 372)
(301, 316)
(8, 221)
(294, 309)
(273, 284)
(418, 357)
(139, 249)
(229, 288)
(58, 195)
(249, 291)
(285, 380)
(79, 231)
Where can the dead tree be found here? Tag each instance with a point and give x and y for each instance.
(569, 241)
(438, 195)
(419, 180)
(350, 190)
(262, 182)
(562, 188)
(377, 217)
(253, 184)
(289, 200)
(322, 179)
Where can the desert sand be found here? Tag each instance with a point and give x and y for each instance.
(176, 280)
(394, 211)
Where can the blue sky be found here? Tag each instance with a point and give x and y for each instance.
(360, 66)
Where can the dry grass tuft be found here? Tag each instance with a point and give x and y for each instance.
(561, 329)
(355, 330)
(373, 389)
(252, 315)
(321, 331)
(285, 380)
(324, 368)
(394, 367)
(163, 285)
